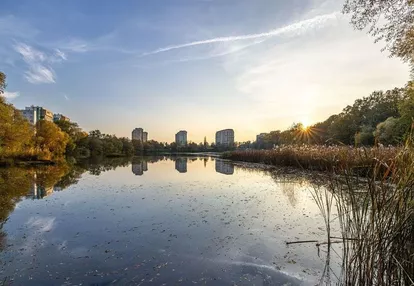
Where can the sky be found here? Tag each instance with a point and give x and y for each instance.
(195, 65)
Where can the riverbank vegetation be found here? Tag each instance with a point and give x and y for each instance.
(320, 158)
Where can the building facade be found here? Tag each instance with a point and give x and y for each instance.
(35, 113)
(137, 134)
(225, 137)
(181, 138)
(58, 116)
(30, 114)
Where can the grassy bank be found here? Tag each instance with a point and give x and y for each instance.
(321, 158)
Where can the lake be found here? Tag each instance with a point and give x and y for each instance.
(160, 221)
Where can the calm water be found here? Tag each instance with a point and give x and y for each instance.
(159, 221)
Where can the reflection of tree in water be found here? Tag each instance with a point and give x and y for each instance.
(16, 183)
(97, 165)
(289, 184)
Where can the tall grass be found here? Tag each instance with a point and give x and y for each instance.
(321, 158)
(376, 217)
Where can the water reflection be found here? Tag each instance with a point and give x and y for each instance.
(138, 168)
(181, 164)
(224, 167)
(224, 222)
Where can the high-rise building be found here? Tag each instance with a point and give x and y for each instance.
(181, 138)
(144, 136)
(137, 134)
(36, 113)
(225, 137)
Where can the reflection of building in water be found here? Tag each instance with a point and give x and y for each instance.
(205, 162)
(224, 167)
(181, 165)
(139, 168)
(39, 192)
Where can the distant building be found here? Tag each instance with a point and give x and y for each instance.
(35, 113)
(224, 167)
(30, 114)
(145, 137)
(181, 138)
(181, 165)
(46, 114)
(261, 137)
(138, 134)
(225, 137)
(58, 117)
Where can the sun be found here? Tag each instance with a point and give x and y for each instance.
(305, 123)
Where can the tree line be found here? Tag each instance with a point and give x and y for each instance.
(380, 118)
(53, 140)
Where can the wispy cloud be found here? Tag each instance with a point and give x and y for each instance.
(65, 96)
(289, 30)
(60, 55)
(39, 63)
(11, 95)
(40, 74)
(74, 45)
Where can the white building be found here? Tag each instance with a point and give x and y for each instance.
(225, 137)
(181, 138)
(144, 136)
(35, 113)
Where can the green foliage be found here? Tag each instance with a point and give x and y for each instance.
(388, 132)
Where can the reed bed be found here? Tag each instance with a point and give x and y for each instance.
(361, 161)
(376, 218)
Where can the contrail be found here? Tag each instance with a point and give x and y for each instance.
(296, 28)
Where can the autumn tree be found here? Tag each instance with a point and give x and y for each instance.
(388, 21)
(15, 131)
(50, 139)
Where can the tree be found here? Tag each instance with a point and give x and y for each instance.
(391, 21)
(74, 131)
(2, 82)
(406, 109)
(16, 133)
(50, 139)
(138, 147)
(389, 132)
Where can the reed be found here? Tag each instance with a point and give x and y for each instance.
(376, 218)
(358, 161)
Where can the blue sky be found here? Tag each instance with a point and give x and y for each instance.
(198, 65)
